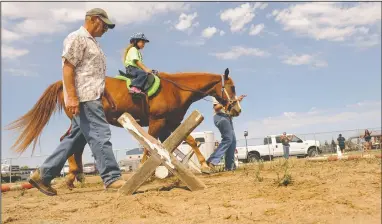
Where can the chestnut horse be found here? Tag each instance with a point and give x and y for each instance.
(162, 113)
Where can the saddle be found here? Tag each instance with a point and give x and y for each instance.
(151, 86)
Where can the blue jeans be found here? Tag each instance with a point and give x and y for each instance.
(91, 127)
(140, 77)
(228, 144)
(286, 151)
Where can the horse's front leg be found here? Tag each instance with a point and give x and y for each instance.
(191, 142)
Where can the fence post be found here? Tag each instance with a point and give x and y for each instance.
(315, 142)
(10, 170)
(269, 150)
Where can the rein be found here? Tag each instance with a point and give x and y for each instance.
(186, 88)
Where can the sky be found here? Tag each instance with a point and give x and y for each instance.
(306, 67)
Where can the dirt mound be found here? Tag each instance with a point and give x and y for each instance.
(320, 192)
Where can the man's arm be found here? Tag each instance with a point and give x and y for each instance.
(68, 77)
(72, 55)
(218, 107)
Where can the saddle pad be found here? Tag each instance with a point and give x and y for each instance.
(152, 90)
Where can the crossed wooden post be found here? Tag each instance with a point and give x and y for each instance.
(161, 154)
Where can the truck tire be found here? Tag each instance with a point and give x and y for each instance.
(253, 157)
(312, 152)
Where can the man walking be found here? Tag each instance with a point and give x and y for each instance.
(285, 141)
(227, 146)
(84, 67)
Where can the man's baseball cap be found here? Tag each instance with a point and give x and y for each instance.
(102, 15)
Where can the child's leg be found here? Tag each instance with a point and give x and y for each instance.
(140, 79)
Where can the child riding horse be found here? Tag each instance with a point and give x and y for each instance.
(134, 63)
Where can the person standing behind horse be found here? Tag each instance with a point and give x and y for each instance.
(134, 63)
(227, 146)
(84, 67)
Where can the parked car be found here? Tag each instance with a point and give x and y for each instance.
(10, 173)
(272, 147)
(90, 168)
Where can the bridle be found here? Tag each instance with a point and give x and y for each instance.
(229, 103)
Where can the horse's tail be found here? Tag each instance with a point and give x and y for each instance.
(32, 123)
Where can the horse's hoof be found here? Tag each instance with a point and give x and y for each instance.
(206, 170)
(69, 185)
(80, 177)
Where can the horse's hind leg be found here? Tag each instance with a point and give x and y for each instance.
(191, 142)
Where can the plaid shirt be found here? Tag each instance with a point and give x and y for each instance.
(85, 54)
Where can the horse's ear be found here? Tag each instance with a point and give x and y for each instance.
(226, 73)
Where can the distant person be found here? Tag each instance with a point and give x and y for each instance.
(341, 142)
(367, 138)
(334, 146)
(285, 141)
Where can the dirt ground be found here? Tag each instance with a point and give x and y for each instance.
(318, 192)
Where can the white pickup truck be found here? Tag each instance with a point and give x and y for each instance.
(273, 148)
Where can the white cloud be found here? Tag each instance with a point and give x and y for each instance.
(8, 52)
(20, 72)
(239, 51)
(31, 27)
(209, 32)
(8, 36)
(262, 5)
(196, 42)
(365, 104)
(186, 22)
(221, 33)
(254, 30)
(304, 59)
(47, 17)
(240, 16)
(365, 115)
(271, 33)
(331, 21)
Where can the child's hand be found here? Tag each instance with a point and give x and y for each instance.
(154, 72)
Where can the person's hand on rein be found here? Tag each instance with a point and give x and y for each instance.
(73, 105)
(240, 98)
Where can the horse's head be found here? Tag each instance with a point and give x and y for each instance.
(228, 96)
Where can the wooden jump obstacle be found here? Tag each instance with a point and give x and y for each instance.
(161, 153)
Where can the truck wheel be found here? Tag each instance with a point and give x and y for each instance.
(253, 157)
(312, 152)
